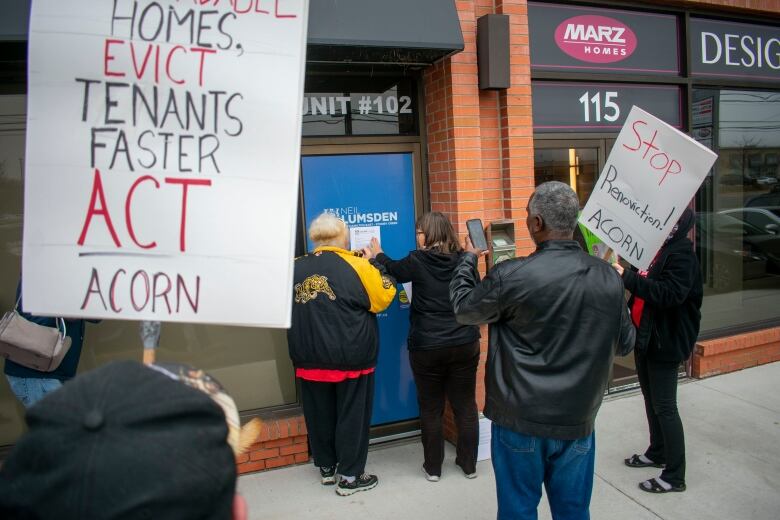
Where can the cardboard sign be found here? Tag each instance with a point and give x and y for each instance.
(163, 146)
(649, 178)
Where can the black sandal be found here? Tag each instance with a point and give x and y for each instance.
(635, 462)
(653, 486)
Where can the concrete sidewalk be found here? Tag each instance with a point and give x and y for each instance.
(732, 429)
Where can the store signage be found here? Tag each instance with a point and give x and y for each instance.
(363, 104)
(647, 182)
(732, 49)
(599, 107)
(595, 39)
(162, 168)
(587, 39)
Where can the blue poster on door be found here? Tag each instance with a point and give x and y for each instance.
(373, 193)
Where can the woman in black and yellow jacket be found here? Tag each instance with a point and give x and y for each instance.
(333, 344)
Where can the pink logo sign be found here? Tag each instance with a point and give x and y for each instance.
(595, 39)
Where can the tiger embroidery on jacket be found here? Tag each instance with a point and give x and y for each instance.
(311, 286)
(386, 282)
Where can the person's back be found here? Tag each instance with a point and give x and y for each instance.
(558, 332)
(443, 354)
(556, 320)
(432, 320)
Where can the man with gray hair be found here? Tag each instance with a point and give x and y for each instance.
(556, 320)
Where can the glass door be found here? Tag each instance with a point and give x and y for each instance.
(374, 189)
(578, 163)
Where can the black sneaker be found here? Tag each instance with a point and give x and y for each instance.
(362, 483)
(328, 476)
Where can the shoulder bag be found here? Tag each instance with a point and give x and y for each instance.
(32, 345)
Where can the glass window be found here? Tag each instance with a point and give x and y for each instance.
(577, 167)
(357, 105)
(738, 206)
(252, 363)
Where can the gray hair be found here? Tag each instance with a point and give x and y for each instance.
(328, 230)
(557, 204)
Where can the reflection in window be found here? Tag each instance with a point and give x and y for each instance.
(738, 206)
(339, 106)
(577, 167)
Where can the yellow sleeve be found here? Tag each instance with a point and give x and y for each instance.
(379, 287)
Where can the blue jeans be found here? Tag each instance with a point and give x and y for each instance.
(29, 390)
(523, 463)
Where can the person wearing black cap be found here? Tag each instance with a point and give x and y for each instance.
(124, 441)
(665, 307)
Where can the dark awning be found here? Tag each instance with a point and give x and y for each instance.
(382, 31)
(357, 31)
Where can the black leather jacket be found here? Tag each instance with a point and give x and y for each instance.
(557, 318)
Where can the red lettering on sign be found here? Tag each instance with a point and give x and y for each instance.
(185, 183)
(128, 218)
(102, 210)
(655, 157)
(107, 56)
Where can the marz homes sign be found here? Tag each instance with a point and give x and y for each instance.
(731, 49)
(571, 38)
(595, 39)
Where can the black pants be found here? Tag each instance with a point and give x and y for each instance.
(452, 372)
(658, 381)
(338, 416)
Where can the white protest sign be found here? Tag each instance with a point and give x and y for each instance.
(650, 177)
(162, 159)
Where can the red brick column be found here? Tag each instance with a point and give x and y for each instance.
(480, 144)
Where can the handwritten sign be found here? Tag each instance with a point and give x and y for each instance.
(163, 147)
(649, 178)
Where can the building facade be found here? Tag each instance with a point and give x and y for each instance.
(396, 123)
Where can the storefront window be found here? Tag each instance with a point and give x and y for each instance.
(252, 363)
(342, 106)
(738, 206)
(577, 167)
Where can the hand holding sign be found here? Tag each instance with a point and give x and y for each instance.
(649, 178)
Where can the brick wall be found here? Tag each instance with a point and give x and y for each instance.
(722, 355)
(282, 442)
(480, 143)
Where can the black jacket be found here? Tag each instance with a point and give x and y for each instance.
(557, 318)
(336, 296)
(433, 323)
(673, 294)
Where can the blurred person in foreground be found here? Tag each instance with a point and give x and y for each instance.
(334, 343)
(556, 320)
(443, 353)
(127, 441)
(666, 309)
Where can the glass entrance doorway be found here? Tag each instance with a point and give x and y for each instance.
(578, 163)
(373, 189)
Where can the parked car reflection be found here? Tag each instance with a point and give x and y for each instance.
(766, 200)
(767, 218)
(733, 251)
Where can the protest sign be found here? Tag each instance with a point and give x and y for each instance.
(163, 153)
(648, 180)
(595, 246)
